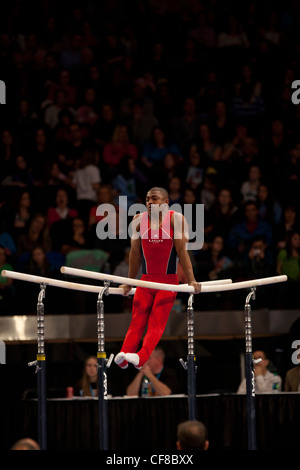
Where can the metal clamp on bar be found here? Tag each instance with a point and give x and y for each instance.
(40, 321)
(100, 318)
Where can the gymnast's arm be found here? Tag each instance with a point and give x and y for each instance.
(180, 241)
(134, 258)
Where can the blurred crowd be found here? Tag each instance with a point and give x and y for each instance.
(107, 99)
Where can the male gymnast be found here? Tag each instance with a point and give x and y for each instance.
(159, 243)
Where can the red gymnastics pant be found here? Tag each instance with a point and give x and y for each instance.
(151, 308)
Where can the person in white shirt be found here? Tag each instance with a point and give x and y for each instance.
(86, 181)
(264, 379)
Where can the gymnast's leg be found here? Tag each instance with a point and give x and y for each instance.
(141, 307)
(157, 323)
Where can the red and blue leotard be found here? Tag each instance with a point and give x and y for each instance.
(159, 256)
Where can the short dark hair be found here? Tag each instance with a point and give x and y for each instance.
(162, 191)
(192, 435)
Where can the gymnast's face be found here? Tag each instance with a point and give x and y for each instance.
(155, 198)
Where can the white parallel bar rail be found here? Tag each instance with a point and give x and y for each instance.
(136, 282)
(207, 286)
(59, 283)
(245, 284)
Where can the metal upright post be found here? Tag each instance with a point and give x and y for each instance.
(40, 364)
(249, 370)
(103, 365)
(190, 365)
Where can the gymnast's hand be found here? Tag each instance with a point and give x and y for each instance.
(196, 285)
(125, 288)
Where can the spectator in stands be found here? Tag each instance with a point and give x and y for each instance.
(25, 444)
(248, 109)
(8, 152)
(192, 436)
(7, 290)
(74, 146)
(119, 147)
(21, 213)
(222, 215)
(208, 192)
(258, 263)
(233, 147)
(61, 211)
(141, 125)
(62, 131)
(37, 234)
(207, 146)
(221, 126)
(87, 386)
(70, 55)
(6, 240)
(164, 105)
(86, 182)
(157, 147)
(264, 378)
(26, 122)
(289, 174)
(175, 191)
(105, 126)
(242, 234)
(213, 262)
(21, 175)
(292, 377)
(249, 187)
(162, 380)
(140, 92)
(59, 219)
(64, 84)
(172, 165)
(122, 268)
(105, 195)
(288, 258)
(289, 222)
(129, 181)
(288, 263)
(232, 35)
(268, 207)
(87, 113)
(38, 263)
(52, 111)
(40, 154)
(185, 128)
(203, 33)
(194, 173)
(56, 177)
(78, 239)
(274, 147)
(248, 78)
